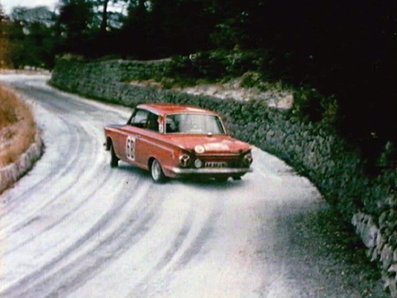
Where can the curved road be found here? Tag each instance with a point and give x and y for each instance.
(75, 227)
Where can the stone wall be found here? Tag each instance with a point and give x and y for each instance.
(380, 238)
(117, 70)
(312, 149)
(12, 172)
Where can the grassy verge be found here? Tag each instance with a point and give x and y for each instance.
(324, 253)
(17, 127)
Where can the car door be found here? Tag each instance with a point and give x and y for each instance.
(131, 147)
(149, 140)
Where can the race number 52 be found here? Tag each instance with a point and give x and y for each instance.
(130, 148)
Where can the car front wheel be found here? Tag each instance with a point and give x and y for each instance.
(157, 172)
(114, 161)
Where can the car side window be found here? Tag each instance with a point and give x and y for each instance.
(145, 119)
(139, 119)
(171, 125)
(153, 122)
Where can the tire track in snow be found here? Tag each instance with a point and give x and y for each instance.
(141, 214)
(76, 134)
(54, 107)
(168, 255)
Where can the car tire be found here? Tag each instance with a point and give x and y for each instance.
(156, 171)
(114, 160)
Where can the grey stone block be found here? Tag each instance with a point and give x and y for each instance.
(386, 256)
(391, 284)
(369, 235)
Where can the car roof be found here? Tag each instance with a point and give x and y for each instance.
(167, 109)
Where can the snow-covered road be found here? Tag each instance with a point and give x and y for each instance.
(75, 227)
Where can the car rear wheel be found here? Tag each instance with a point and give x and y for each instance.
(157, 172)
(114, 160)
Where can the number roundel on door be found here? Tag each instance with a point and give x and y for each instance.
(130, 148)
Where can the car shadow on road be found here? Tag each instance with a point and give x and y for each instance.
(190, 181)
(209, 183)
(134, 171)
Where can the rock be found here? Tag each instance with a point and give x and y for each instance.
(382, 219)
(286, 102)
(369, 235)
(386, 256)
(393, 268)
(356, 220)
(395, 255)
(375, 254)
(366, 228)
(391, 284)
(393, 237)
(380, 241)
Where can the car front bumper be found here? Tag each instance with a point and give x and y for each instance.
(211, 171)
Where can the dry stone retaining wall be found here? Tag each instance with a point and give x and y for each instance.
(12, 172)
(380, 238)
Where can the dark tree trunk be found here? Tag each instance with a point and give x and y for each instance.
(104, 22)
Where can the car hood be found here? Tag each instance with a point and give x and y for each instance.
(211, 144)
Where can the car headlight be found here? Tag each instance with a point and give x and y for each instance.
(199, 149)
(184, 160)
(247, 159)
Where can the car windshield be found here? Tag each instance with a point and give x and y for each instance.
(194, 124)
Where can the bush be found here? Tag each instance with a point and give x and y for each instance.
(216, 65)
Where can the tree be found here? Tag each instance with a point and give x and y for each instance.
(161, 28)
(74, 24)
(31, 36)
(105, 18)
(4, 44)
(104, 21)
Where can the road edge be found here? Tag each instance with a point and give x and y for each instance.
(14, 171)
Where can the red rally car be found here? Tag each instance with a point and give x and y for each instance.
(175, 141)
